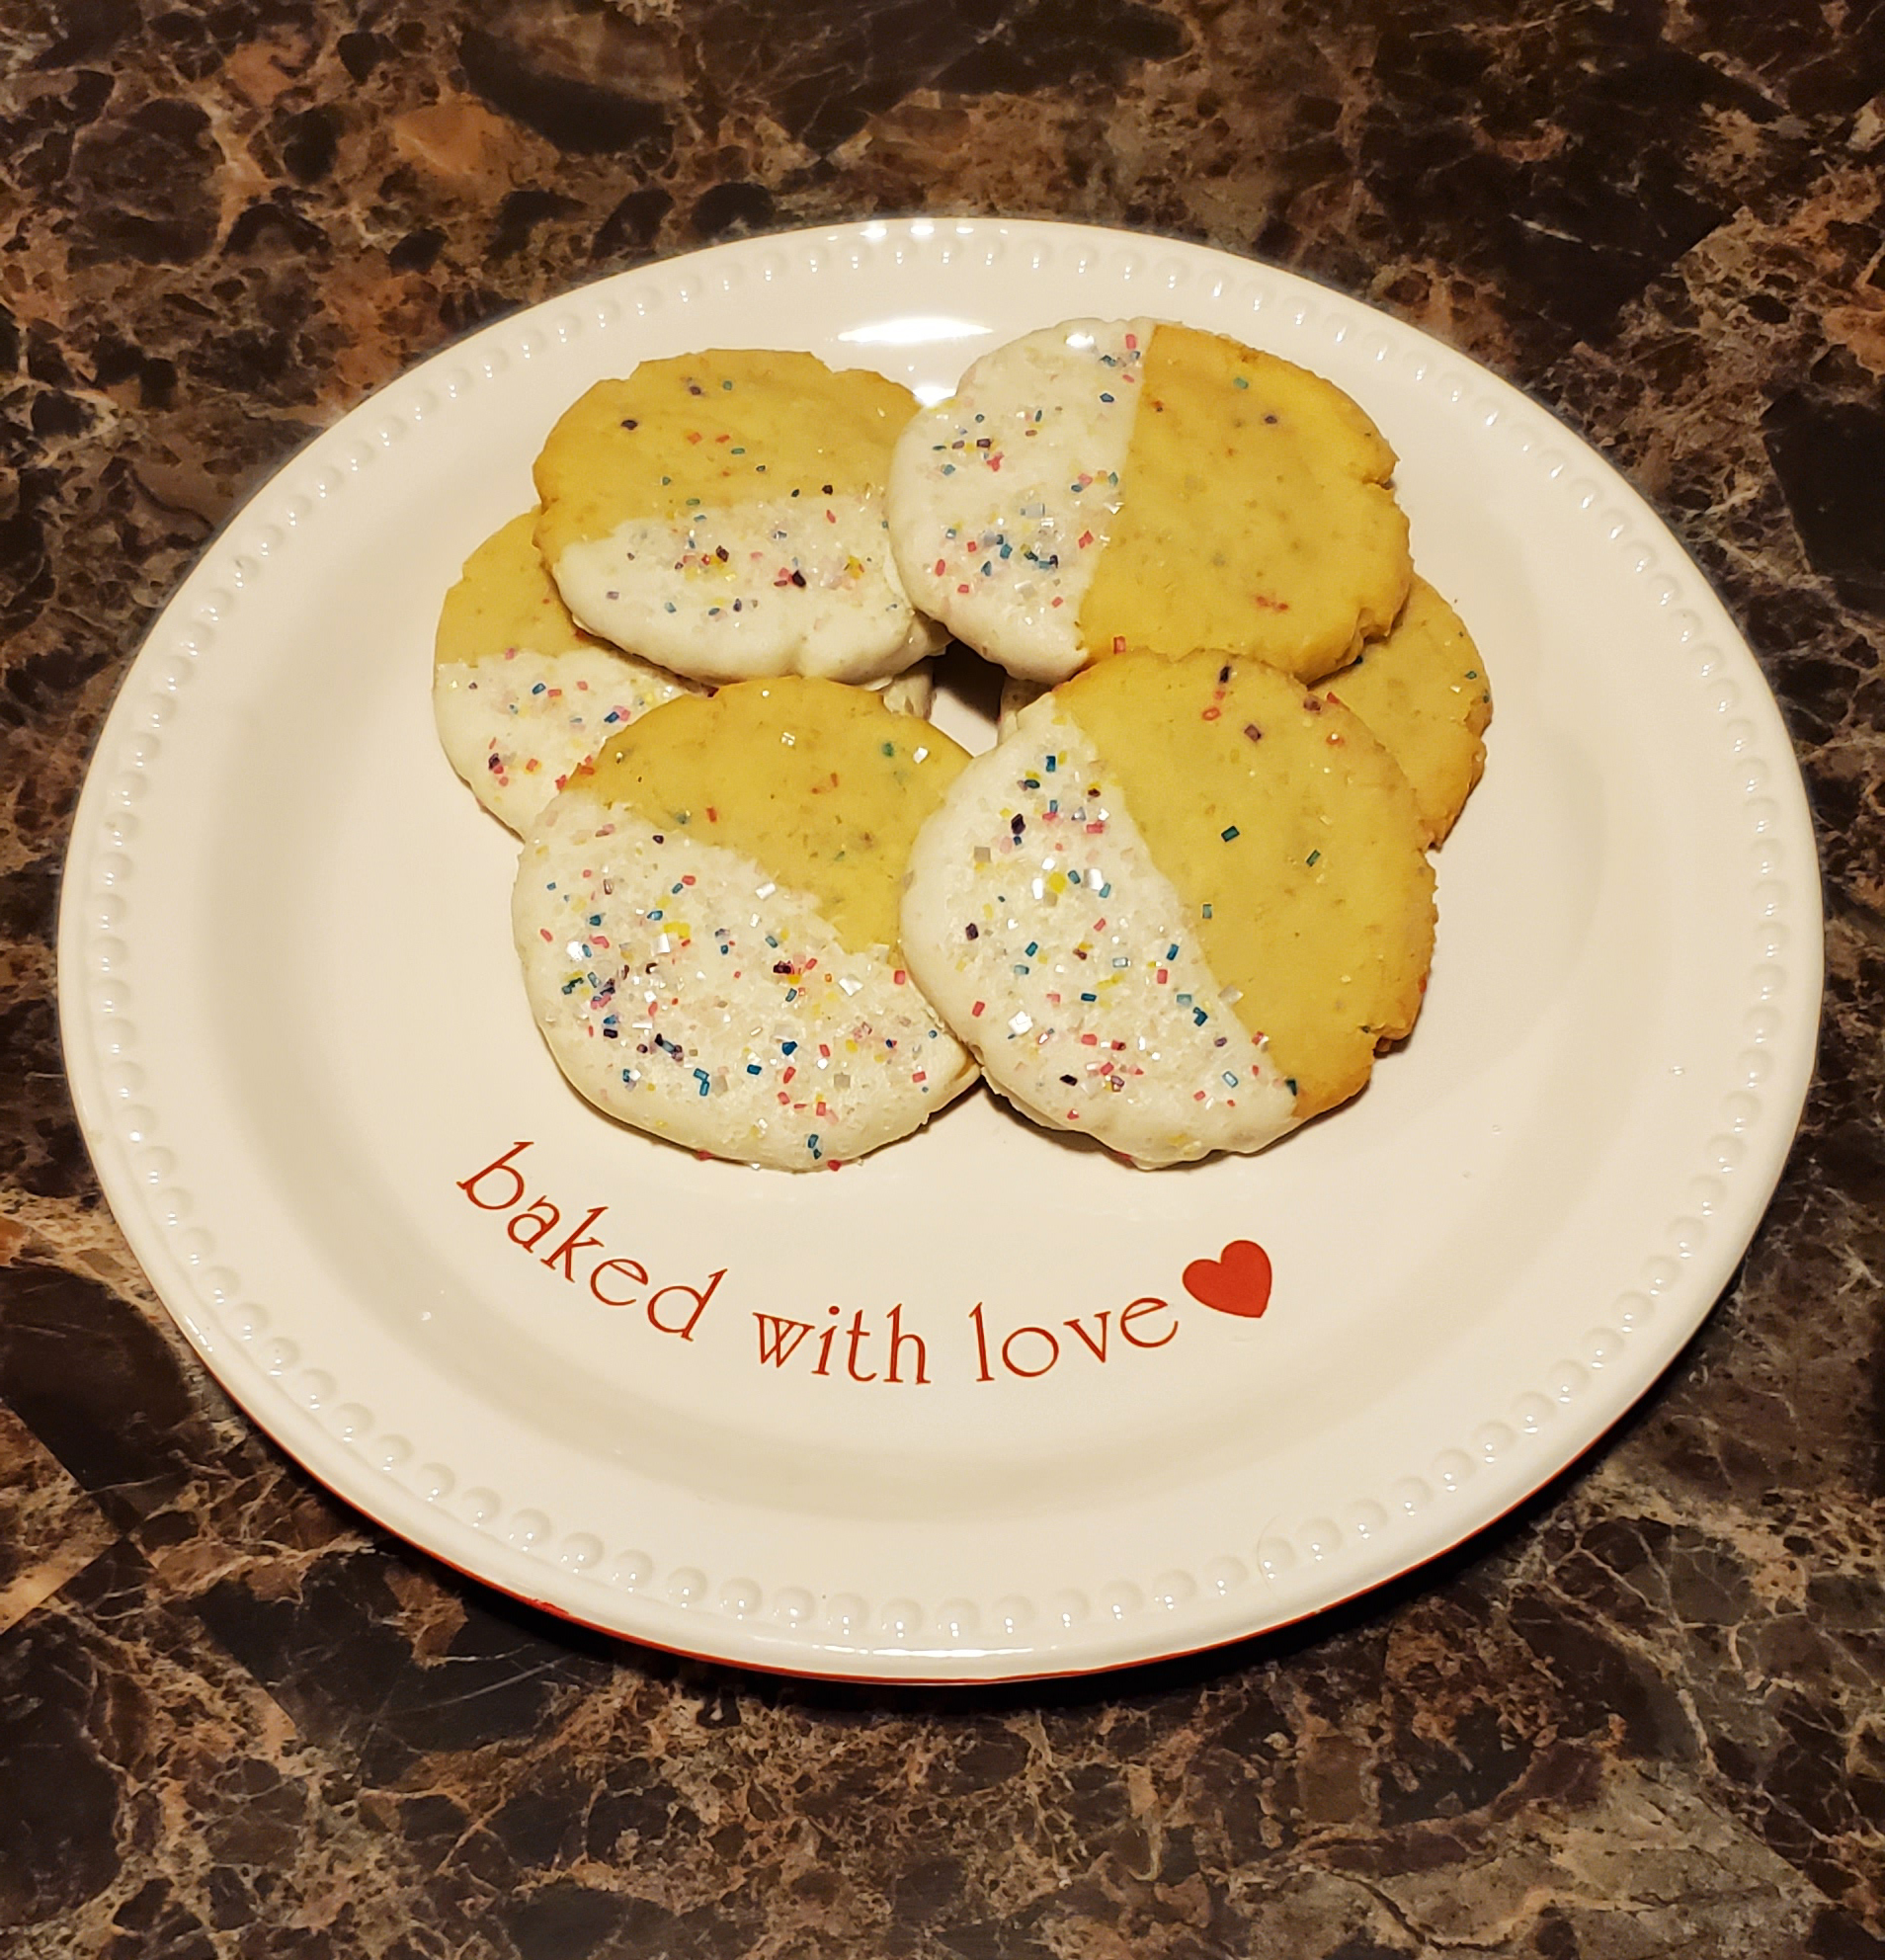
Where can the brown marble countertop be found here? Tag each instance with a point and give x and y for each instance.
(1645, 1715)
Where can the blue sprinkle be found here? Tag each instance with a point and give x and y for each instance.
(788, 1047)
(752, 1068)
(703, 1079)
(1230, 1079)
(538, 689)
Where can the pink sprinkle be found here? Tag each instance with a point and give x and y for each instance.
(899, 976)
(975, 1010)
(545, 929)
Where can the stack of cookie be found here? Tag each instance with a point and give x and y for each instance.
(1177, 906)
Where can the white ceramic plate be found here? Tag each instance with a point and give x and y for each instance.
(296, 1035)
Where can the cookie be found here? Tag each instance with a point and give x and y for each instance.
(1107, 484)
(707, 923)
(722, 513)
(521, 695)
(1423, 690)
(1178, 908)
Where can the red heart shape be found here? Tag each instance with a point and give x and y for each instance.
(1235, 1282)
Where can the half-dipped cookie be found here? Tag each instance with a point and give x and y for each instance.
(1130, 483)
(708, 924)
(722, 513)
(1178, 908)
(1422, 689)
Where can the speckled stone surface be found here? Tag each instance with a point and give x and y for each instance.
(1644, 1716)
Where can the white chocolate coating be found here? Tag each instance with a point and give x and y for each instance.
(787, 586)
(1003, 497)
